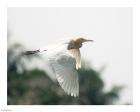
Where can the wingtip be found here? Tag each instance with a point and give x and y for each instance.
(74, 95)
(31, 52)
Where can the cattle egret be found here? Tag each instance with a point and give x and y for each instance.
(64, 60)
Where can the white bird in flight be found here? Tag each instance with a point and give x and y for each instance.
(64, 61)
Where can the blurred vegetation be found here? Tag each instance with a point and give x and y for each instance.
(33, 86)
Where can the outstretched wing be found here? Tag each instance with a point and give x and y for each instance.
(64, 67)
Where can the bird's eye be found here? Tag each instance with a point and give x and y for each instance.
(82, 39)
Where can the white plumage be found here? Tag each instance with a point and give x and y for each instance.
(63, 61)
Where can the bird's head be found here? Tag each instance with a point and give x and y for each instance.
(80, 40)
(76, 43)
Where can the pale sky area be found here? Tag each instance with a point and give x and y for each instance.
(111, 29)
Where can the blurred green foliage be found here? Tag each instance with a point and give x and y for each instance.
(34, 87)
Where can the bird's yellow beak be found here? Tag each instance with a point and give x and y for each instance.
(87, 40)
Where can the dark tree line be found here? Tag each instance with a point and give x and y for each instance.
(35, 87)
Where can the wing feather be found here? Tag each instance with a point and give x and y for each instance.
(64, 66)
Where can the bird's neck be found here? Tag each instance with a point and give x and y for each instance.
(73, 50)
(76, 54)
